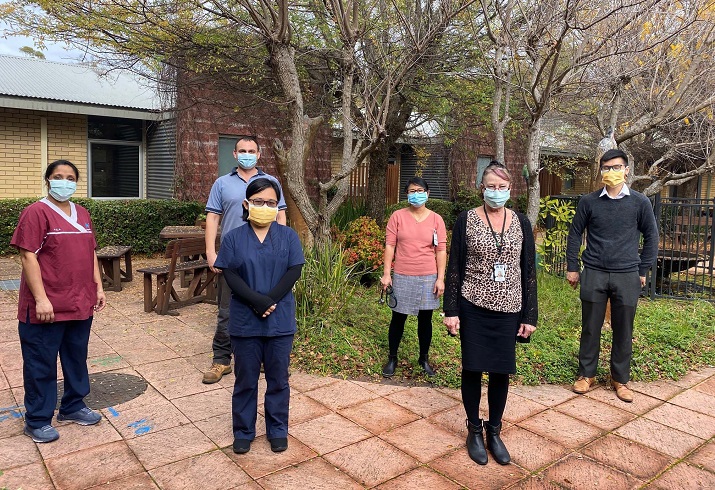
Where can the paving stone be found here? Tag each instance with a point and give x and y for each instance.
(214, 470)
(379, 415)
(519, 408)
(10, 355)
(167, 446)
(453, 420)
(75, 437)
(683, 419)
(659, 437)
(108, 462)
(303, 408)
(602, 415)
(694, 377)
(707, 387)
(663, 390)
(141, 481)
(529, 450)
(11, 420)
(630, 457)
(548, 395)
(577, 471)
(684, 477)
(171, 368)
(341, 395)
(458, 467)
(705, 456)
(328, 433)
(32, 476)
(18, 450)
(536, 482)
(421, 477)
(304, 382)
(202, 406)
(219, 428)
(423, 401)
(423, 440)
(696, 401)
(641, 403)
(261, 461)
(14, 377)
(315, 474)
(372, 461)
(561, 428)
(147, 419)
(382, 388)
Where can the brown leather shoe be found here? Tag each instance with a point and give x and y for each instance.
(216, 372)
(623, 392)
(583, 385)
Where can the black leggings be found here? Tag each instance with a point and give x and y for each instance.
(496, 394)
(424, 331)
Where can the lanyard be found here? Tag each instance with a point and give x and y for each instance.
(500, 240)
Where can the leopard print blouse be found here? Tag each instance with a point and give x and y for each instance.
(479, 287)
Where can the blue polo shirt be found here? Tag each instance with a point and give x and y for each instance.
(261, 265)
(227, 195)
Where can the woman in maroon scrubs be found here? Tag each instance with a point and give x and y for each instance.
(60, 289)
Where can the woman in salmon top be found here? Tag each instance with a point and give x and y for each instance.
(417, 241)
(60, 289)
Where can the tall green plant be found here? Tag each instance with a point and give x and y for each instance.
(553, 247)
(324, 287)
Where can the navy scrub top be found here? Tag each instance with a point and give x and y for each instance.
(261, 265)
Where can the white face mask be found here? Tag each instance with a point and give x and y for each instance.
(61, 189)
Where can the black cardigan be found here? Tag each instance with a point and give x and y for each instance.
(458, 265)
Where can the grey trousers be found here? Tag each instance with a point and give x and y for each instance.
(623, 289)
(222, 340)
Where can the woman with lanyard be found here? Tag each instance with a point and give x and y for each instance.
(60, 289)
(261, 262)
(490, 300)
(417, 239)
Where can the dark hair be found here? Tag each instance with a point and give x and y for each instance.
(257, 186)
(247, 138)
(613, 154)
(417, 181)
(52, 166)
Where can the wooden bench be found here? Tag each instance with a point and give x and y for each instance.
(109, 265)
(689, 230)
(201, 288)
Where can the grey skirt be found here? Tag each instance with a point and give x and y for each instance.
(414, 293)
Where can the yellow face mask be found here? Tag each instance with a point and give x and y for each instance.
(613, 178)
(261, 215)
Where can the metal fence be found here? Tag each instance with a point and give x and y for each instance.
(685, 265)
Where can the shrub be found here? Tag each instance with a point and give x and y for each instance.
(444, 208)
(364, 242)
(133, 222)
(467, 198)
(348, 212)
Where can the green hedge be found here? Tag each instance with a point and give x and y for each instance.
(134, 222)
(444, 208)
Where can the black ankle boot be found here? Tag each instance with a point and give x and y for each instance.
(425, 366)
(389, 368)
(495, 444)
(475, 443)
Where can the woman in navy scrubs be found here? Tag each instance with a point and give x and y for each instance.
(60, 290)
(261, 263)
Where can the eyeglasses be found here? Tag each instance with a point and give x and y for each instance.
(413, 191)
(391, 299)
(271, 203)
(493, 187)
(611, 168)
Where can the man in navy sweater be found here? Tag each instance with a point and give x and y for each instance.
(614, 219)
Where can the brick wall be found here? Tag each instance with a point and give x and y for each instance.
(20, 149)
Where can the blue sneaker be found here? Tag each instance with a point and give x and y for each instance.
(81, 417)
(43, 434)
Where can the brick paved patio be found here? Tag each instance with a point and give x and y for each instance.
(343, 434)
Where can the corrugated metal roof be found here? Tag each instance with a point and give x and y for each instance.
(50, 80)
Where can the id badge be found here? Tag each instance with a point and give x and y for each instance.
(499, 272)
(435, 241)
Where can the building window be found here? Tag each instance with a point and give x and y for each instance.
(115, 157)
(482, 162)
(226, 161)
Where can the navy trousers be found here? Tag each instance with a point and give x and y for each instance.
(623, 289)
(40, 344)
(248, 354)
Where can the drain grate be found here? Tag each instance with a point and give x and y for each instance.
(10, 285)
(109, 389)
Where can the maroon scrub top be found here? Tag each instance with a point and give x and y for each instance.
(64, 246)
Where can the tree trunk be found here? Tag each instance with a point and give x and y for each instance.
(532, 161)
(377, 182)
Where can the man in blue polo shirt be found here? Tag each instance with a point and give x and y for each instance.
(225, 205)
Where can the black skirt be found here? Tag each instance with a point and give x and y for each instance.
(488, 339)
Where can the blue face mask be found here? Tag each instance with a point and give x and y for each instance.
(61, 190)
(495, 198)
(417, 199)
(246, 160)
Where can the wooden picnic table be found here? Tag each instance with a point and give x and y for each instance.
(173, 232)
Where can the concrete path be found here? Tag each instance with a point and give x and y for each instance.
(343, 434)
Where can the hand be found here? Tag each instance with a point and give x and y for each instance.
(269, 311)
(642, 281)
(385, 280)
(452, 324)
(44, 311)
(525, 330)
(211, 259)
(101, 300)
(572, 278)
(438, 287)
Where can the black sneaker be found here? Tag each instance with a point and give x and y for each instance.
(241, 446)
(279, 444)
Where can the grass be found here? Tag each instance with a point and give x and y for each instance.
(671, 338)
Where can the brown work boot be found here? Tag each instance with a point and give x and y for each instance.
(623, 392)
(216, 372)
(583, 385)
